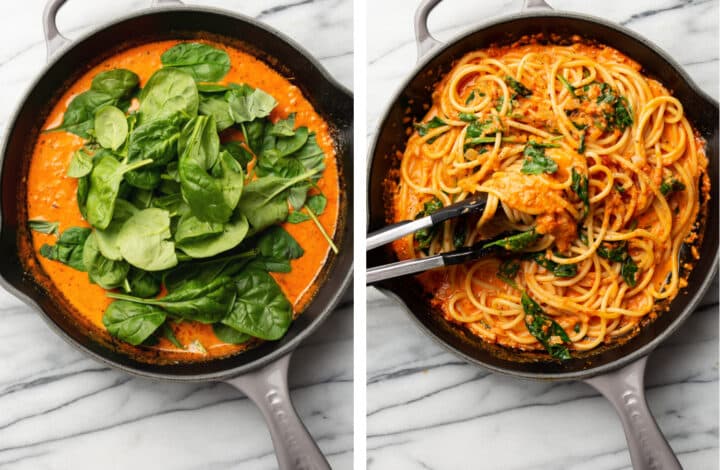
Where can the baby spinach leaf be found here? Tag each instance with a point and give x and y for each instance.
(536, 162)
(107, 239)
(283, 127)
(132, 322)
(618, 253)
(80, 114)
(628, 270)
(156, 140)
(232, 233)
(81, 194)
(143, 283)
(144, 178)
(169, 334)
(212, 88)
(117, 83)
(260, 309)
(210, 198)
(111, 127)
(254, 133)
(248, 107)
(263, 200)
(316, 203)
(277, 243)
(217, 108)
(105, 180)
(43, 226)
(204, 272)
(208, 303)
(144, 240)
(238, 152)
(69, 248)
(516, 242)
(81, 164)
(104, 272)
(546, 330)
(168, 92)
(190, 228)
(229, 335)
(205, 63)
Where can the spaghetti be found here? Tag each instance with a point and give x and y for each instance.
(590, 164)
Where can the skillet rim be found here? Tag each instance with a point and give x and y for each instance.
(708, 276)
(343, 279)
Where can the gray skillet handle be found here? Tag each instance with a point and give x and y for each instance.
(535, 5)
(624, 388)
(425, 41)
(54, 41)
(295, 448)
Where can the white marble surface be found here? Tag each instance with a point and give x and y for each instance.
(427, 409)
(61, 410)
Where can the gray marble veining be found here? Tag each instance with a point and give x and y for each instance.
(60, 410)
(427, 409)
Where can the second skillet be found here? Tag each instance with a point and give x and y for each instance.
(617, 372)
(260, 373)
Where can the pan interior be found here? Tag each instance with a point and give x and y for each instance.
(411, 103)
(332, 102)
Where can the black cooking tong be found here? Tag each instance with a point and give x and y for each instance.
(401, 229)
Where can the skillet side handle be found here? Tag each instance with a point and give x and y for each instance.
(53, 39)
(624, 388)
(535, 5)
(424, 40)
(295, 448)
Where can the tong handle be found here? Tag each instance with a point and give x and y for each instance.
(401, 229)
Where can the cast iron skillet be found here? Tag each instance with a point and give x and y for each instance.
(262, 372)
(617, 372)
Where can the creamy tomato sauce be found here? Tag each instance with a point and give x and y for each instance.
(51, 194)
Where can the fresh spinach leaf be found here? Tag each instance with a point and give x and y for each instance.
(156, 140)
(169, 92)
(208, 303)
(81, 164)
(229, 335)
(79, 116)
(190, 228)
(205, 63)
(107, 239)
(132, 322)
(238, 152)
(233, 232)
(260, 309)
(69, 248)
(169, 334)
(142, 283)
(105, 179)
(144, 240)
(248, 107)
(219, 109)
(43, 226)
(104, 272)
(277, 243)
(264, 202)
(117, 83)
(283, 127)
(111, 127)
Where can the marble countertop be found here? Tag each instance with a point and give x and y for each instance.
(427, 409)
(60, 409)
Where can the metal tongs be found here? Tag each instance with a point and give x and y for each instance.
(401, 229)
